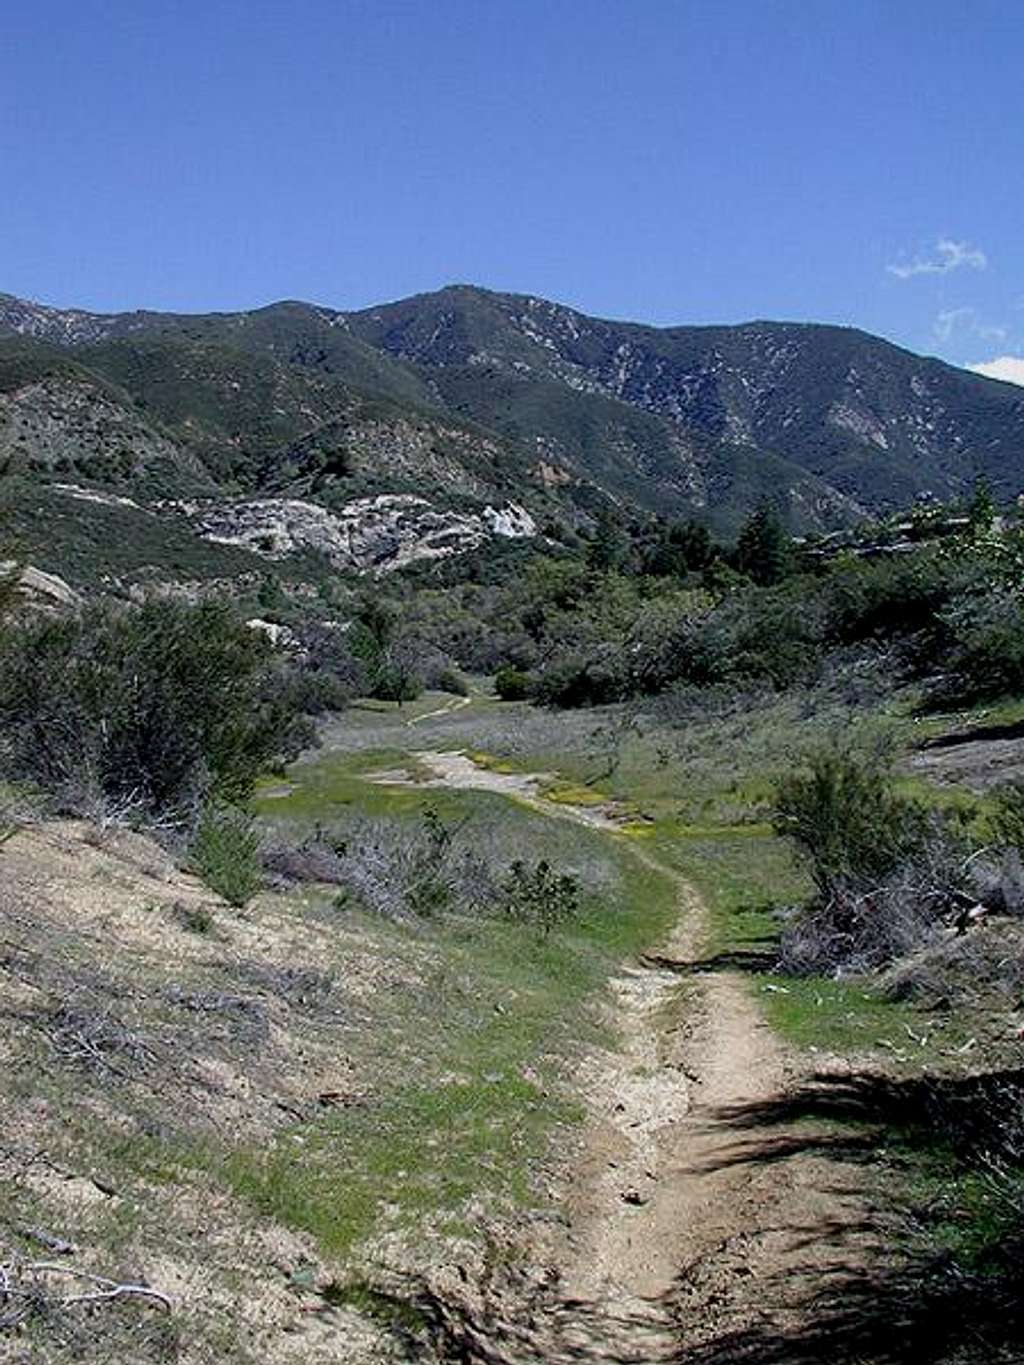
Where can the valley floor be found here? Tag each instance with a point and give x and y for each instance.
(331, 1138)
(699, 1222)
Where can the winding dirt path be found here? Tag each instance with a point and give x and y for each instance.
(447, 708)
(454, 768)
(692, 1231)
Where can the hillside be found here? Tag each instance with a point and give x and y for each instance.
(873, 424)
(471, 400)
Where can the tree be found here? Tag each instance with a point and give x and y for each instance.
(378, 642)
(981, 508)
(680, 548)
(609, 547)
(147, 711)
(764, 549)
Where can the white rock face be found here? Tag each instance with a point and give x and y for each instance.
(72, 490)
(43, 591)
(860, 423)
(513, 522)
(368, 534)
(281, 637)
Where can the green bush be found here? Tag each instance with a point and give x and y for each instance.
(143, 712)
(842, 812)
(197, 919)
(985, 655)
(600, 678)
(539, 896)
(430, 891)
(450, 680)
(394, 682)
(887, 598)
(512, 684)
(1007, 816)
(225, 853)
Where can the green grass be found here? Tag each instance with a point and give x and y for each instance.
(837, 1016)
(482, 1053)
(573, 794)
(747, 877)
(744, 874)
(328, 784)
(472, 1065)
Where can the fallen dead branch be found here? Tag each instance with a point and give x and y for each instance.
(22, 1291)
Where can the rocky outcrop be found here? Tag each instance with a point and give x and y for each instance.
(69, 423)
(41, 591)
(377, 534)
(280, 636)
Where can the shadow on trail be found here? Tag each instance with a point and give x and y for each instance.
(922, 1315)
(966, 1112)
(897, 1306)
(531, 1329)
(981, 733)
(846, 1291)
(756, 961)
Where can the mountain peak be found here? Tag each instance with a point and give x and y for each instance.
(829, 420)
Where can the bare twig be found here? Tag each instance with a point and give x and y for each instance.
(15, 1286)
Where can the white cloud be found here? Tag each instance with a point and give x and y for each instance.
(988, 332)
(1009, 368)
(949, 255)
(951, 320)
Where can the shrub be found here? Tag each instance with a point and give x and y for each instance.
(197, 919)
(512, 684)
(887, 872)
(394, 682)
(864, 925)
(539, 896)
(774, 635)
(1007, 816)
(846, 818)
(885, 598)
(450, 680)
(307, 690)
(403, 871)
(319, 858)
(142, 712)
(225, 852)
(986, 648)
(574, 681)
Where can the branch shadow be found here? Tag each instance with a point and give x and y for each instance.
(1013, 730)
(756, 961)
(906, 1309)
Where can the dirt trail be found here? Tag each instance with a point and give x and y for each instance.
(456, 770)
(447, 708)
(687, 1226)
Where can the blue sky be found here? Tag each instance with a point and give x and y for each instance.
(849, 161)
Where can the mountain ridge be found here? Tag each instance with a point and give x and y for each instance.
(469, 393)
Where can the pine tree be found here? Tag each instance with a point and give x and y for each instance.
(764, 549)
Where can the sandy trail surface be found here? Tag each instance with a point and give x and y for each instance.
(695, 1227)
(456, 770)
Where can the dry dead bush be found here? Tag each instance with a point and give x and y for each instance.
(302, 987)
(984, 964)
(856, 925)
(318, 858)
(58, 1312)
(402, 869)
(96, 1039)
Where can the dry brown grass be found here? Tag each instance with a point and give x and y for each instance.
(127, 1040)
